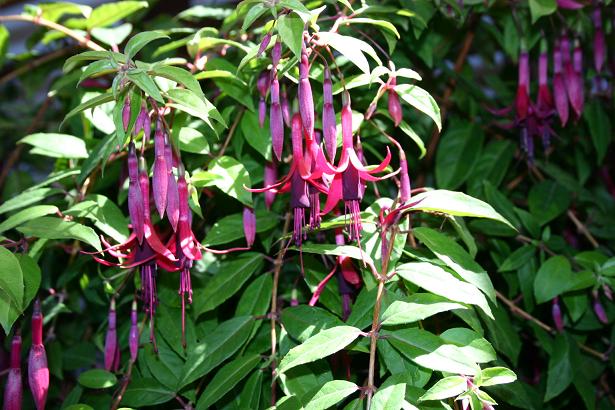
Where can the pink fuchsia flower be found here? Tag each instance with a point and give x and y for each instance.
(544, 104)
(350, 174)
(144, 123)
(112, 349)
(306, 101)
(262, 84)
(559, 86)
(249, 225)
(270, 178)
(599, 41)
(160, 177)
(522, 101)
(264, 44)
(135, 197)
(38, 372)
(276, 120)
(276, 54)
(556, 313)
(133, 335)
(13, 390)
(329, 125)
(569, 5)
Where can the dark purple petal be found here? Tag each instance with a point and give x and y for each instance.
(599, 309)
(559, 88)
(270, 178)
(262, 111)
(126, 114)
(160, 178)
(135, 196)
(404, 181)
(276, 53)
(111, 339)
(599, 41)
(276, 120)
(556, 313)
(569, 5)
(172, 193)
(264, 43)
(285, 107)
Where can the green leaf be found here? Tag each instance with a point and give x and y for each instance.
(456, 258)
(495, 375)
(251, 393)
(352, 48)
(4, 43)
(330, 394)
(187, 101)
(430, 351)
(255, 299)
(145, 83)
(560, 373)
(448, 387)
(104, 213)
(146, 392)
(419, 307)
(552, 279)
(180, 76)
(11, 289)
(470, 343)
(547, 200)
(320, 345)
(455, 203)
(228, 175)
(91, 103)
(192, 140)
(99, 155)
(97, 68)
(27, 214)
(290, 28)
(599, 126)
(421, 100)
(108, 13)
(302, 322)
(258, 137)
(518, 258)
(339, 250)
(253, 14)
(72, 61)
(140, 40)
(407, 129)
(228, 281)
(230, 228)
(492, 164)
(539, 8)
(112, 35)
(438, 281)
(31, 278)
(379, 23)
(56, 145)
(217, 346)
(226, 379)
(97, 379)
(55, 228)
(389, 398)
(28, 197)
(458, 151)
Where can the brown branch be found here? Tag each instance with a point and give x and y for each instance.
(231, 132)
(582, 228)
(85, 42)
(520, 312)
(32, 64)
(274, 304)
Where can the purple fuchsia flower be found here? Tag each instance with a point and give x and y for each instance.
(599, 41)
(264, 44)
(569, 5)
(574, 80)
(598, 308)
(350, 175)
(270, 178)
(126, 114)
(133, 335)
(394, 105)
(135, 197)
(112, 349)
(38, 372)
(329, 125)
(276, 120)
(306, 101)
(285, 106)
(556, 313)
(559, 86)
(262, 84)
(13, 391)
(172, 192)
(522, 101)
(249, 225)
(160, 177)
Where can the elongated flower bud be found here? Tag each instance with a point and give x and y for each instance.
(395, 110)
(276, 122)
(306, 101)
(135, 197)
(577, 89)
(249, 225)
(522, 102)
(569, 4)
(270, 177)
(599, 309)
(545, 100)
(264, 43)
(329, 126)
(172, 193)
(262, 83)
(160, 178)
(404, 180)
(599, 42)
(111, 339)
(276, 54)
(13, 391)
(126, 114)
(556, 313)
(143, 123)
(559, 88)
(346, 117)
(133, 335)
(285, 106)
(262, 111)
(38, 372)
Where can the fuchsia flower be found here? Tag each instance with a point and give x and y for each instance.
(329, 125)
(13, 391)
(135, 197)
(285, 107)
(556, 313)
(306, 101)
(133, 335)
(573, 77)
(350, 174)
(395, 110)
(38, 372)
(599, 42)
(126, 114)
(249, 225)
(522, 101)
(112, 349)
(270, 178)
(599, 309)
(569, 5)
(262, 84)
(559, 87)
(276, 119)
(264, 43)
(172, 192)
(544, 104)
(160, 177)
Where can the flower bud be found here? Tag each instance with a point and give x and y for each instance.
(135, 196)
(569, 5)
(126, 114)
(285, 107)
(559, 88)
(276, 120)
(270, 178)
(160, 177)
(249, 225)
(599, 42)
(13, 391)
(395, 110)
(262, 111)
(404, 180)
(556, 313)
(346, 118)
(522, 101)
(111, 346)
(276, 54)
(262, 83)
(599, 309)
(38, 372)
(306, 101)
(143, 123)
(329, 126)
(172, 193)
(133, 335)
(264, 43)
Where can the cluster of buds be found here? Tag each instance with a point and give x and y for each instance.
(38, 371)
